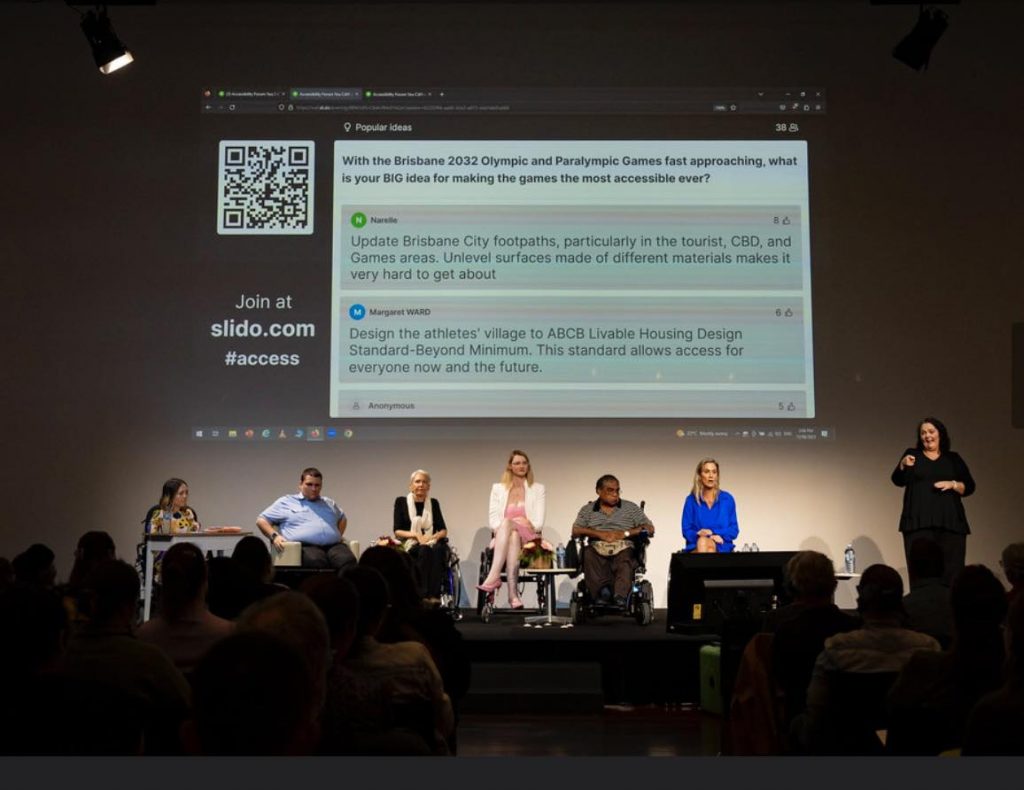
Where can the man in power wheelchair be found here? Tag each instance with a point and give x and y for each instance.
(614, 533)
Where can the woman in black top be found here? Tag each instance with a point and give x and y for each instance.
(934, 480)
(421, 528)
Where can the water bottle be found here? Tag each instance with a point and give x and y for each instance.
(850, 559)
(753, 547)
(560, 556)
(746, 547)
(166, 528)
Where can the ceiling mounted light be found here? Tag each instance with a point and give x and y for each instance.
(107, 50)
(916, 47)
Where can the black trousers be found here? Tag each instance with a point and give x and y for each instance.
(953, 544)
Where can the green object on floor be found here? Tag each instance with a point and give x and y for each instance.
(711, 678)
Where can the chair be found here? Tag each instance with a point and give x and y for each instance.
(451, 584)
(755, 710)
(485, 607)
(640, 601)
(856, 719)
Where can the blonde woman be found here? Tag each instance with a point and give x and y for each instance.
(420, 526)
(709, 513)
(516, 517)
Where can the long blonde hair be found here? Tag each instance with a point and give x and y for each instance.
(506, 478)
(698, 486)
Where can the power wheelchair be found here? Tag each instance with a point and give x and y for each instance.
(640, 600)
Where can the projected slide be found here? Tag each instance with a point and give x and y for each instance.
(571, 279)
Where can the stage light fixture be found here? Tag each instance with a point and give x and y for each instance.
(108, 51)
(916, 47)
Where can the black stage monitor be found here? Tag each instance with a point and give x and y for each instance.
(705, 590)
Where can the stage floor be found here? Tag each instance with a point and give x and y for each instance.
(608, 660)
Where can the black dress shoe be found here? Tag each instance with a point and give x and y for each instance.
(605, 594)
(619, 600)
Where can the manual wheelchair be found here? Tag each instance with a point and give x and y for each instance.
(640, 600)
(485, 601)
(451, 584)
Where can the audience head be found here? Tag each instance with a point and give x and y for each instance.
(113, 586)
(880, 592)
(396, 566)
(1015, 639)
(338, 601)
(174, 494)
(6, 573)
(925, 559)
(978, 602)
(293, 617)
(34, 624)
(34, 566)
(810, 577)
(252, 693)
(184, 579)
(1013, 563)
(252, 555)
(93, 548)
(374, 597)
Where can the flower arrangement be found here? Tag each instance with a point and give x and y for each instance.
(389, 541)
(537, 553)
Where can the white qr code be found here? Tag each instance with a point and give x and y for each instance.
(265, 187)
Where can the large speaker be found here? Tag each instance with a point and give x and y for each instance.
(707, 591)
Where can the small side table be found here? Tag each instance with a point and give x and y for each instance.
(550, 618)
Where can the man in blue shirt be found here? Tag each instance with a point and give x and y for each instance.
(314, 521)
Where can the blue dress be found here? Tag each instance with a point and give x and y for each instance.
(720, 518)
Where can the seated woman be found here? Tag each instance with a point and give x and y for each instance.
(516, 517)
(709, 513)
(172, 515)
(420, 526)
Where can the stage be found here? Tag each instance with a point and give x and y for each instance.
(609, 660)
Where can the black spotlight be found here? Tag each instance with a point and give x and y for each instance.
(916, 47)
(108, 51)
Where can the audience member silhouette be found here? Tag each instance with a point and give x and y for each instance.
(184, 628)
(34, 567)
(927, 603)
(811, 618)
(408, 618)
(395, 686)
(995, 726)
(846, 695)
(6, 574)
(93, 548)
(141, 681)
(1012, 562)
(933, 695)
(253, 694)
(293, 617)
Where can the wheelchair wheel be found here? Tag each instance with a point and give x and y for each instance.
(645, 604)
(481, 596)
(450, 596)
(576, 610)
(487, 609)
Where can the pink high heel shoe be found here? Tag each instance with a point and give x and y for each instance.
(489, 587)
(515, 603)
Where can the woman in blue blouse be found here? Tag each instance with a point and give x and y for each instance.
(709, 513)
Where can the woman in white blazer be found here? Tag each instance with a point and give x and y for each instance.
(516, 517)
